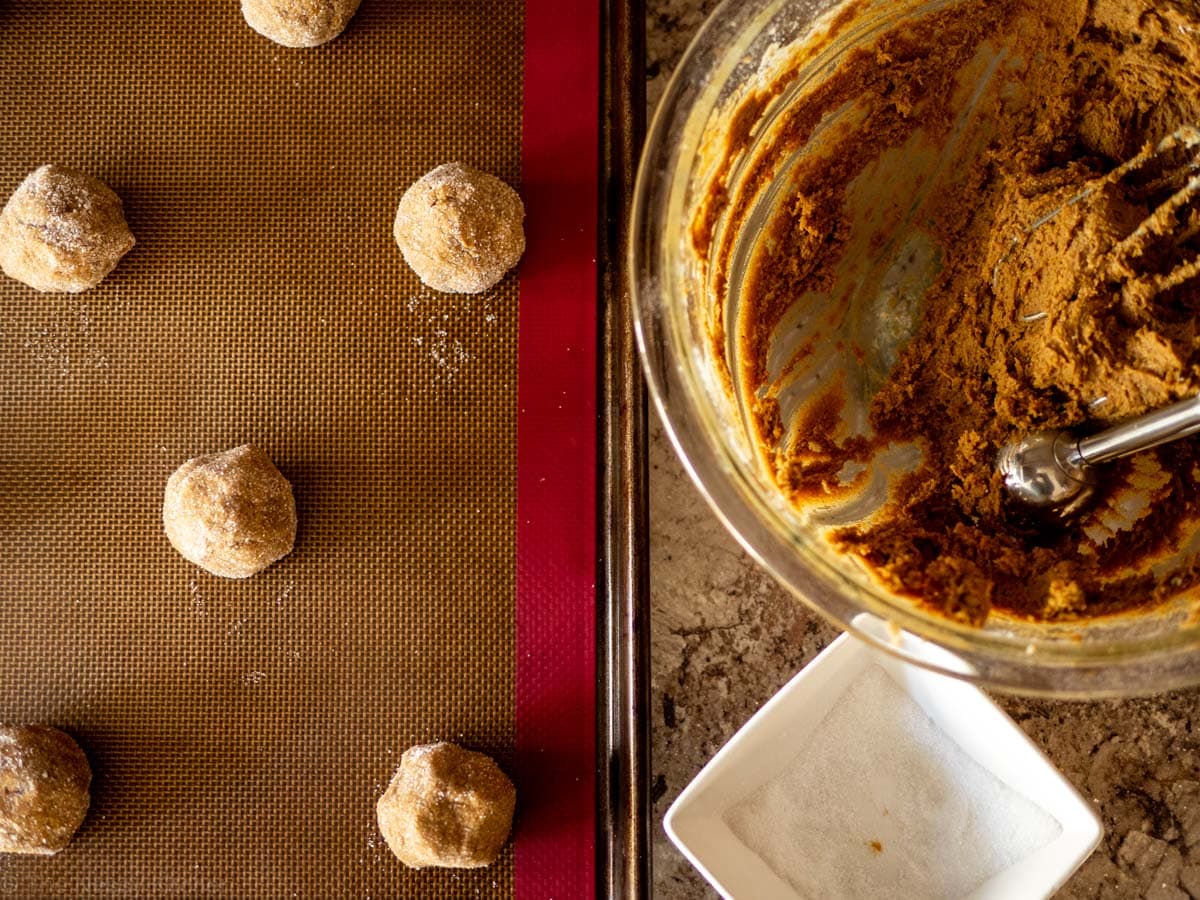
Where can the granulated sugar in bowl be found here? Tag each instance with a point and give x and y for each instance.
(869, 777)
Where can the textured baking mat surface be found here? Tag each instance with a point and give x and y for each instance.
(241, 731)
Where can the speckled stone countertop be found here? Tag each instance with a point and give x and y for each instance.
(725, 637)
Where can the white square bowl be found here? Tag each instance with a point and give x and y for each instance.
(696, 821)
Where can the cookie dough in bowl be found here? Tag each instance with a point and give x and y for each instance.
(979, 311)
(875, 242)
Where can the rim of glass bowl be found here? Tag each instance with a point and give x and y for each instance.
(1060, 668)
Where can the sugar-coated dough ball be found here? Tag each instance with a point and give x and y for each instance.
(299, 23)
(230, 513)
(44, 781)
(62, 230)
(446, 806)
(460, 229)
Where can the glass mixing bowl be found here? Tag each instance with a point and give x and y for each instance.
(744, 46)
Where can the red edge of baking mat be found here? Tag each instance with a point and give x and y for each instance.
(556, 455)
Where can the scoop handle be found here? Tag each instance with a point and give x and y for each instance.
(1159, 427)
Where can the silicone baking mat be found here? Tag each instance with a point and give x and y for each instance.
(241, 731)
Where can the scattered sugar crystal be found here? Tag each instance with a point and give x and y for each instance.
(880, 802)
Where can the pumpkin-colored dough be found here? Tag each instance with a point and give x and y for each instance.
(448, 807)
(299, 23)
(62, 231)
(460, 229)
(44, 782)
(230, 513)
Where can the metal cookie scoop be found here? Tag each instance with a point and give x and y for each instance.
(1053, 472)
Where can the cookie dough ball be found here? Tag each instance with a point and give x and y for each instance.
(44, 781)
(62, 230)
(446, 806)
(299, 23)
(460, 229)
(230, 513)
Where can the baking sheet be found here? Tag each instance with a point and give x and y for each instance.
(240, 732)
(625, 683)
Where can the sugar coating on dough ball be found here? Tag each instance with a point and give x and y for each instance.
(62, 231)
(446, 806)
(230, 513)
(460, 229)
(44, 782)
(299, 23)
